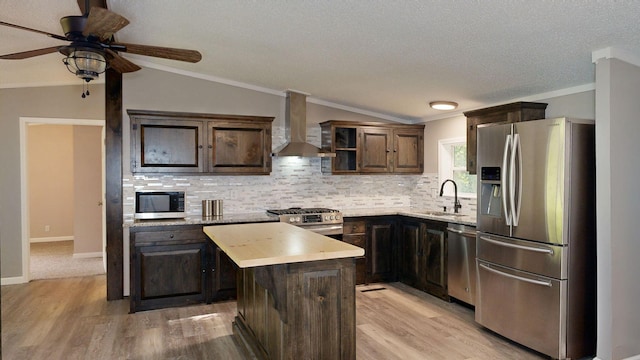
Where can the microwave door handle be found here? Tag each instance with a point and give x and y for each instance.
(503, 180)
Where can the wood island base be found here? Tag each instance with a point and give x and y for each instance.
(300, 310)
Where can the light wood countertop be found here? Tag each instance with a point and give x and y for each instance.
(251, 245)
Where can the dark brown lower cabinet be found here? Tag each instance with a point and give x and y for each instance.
(381, 249)
(176, 266)
(298, 311)
(423, 255)
(224, 276)
(354, 233)
(376, 235)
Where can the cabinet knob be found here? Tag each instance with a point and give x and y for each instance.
(171, 236)
(199, 146)
(210, 146)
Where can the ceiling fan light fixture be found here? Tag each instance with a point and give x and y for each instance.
(443, 105)
(86, 64)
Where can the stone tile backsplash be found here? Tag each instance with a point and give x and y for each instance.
(296, 182)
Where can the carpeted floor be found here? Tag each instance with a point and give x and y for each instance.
(52, 260)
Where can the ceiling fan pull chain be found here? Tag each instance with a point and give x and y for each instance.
(85, 90)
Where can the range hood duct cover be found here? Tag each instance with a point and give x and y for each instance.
(295, 122)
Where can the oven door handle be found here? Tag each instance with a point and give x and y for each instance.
(515, 277)
(325, 229)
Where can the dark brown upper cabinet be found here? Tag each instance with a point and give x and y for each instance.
(510, 113)
(177, 142)
(372, 148)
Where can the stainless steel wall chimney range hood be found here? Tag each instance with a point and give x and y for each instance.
(295, 122)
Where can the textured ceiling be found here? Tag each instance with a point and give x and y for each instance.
(384, 56)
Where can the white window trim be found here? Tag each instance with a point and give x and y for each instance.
(445, 166)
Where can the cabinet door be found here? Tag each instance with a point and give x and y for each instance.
(345, 140)
(239, 148)
(170, 275)
(166, 146)
(380, 236)
(224, 276)
(376, 150)
(410, 243)
(408, 151)
(435, 258)
(472, 136)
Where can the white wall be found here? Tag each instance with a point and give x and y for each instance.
(46, 102)
(618, 208)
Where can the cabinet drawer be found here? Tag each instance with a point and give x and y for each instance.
(523, 307)
(182, 236)
(354, 227)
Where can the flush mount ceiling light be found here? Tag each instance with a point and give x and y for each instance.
(443, 105)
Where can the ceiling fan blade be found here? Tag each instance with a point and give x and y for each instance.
(92, 3)
(59, 37)
(120, 64)
(162, 52)
(103, 23)
(30, 53)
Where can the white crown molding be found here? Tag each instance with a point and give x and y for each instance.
(616, 53)
(72, 81)
(537, 97)
(239, 84)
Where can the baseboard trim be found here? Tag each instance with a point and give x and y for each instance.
(50, 239)
(13, 280)
(87, 255)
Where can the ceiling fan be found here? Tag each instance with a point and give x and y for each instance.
(93, 47)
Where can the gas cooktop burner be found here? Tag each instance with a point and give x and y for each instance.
(321, 220)
(301, 211)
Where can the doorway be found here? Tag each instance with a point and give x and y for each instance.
(62, 192)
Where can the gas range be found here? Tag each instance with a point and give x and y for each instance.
(321, 220)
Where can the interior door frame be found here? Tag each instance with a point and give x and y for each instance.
(24, 183)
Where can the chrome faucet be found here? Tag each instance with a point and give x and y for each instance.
(456, 203)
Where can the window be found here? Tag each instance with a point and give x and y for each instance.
(452, 164)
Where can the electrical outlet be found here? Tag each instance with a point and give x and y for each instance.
(47, 228)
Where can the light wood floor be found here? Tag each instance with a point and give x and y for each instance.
(70, 319)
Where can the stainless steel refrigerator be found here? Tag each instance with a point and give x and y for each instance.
(536, 265)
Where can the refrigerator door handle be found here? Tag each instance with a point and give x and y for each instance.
(504, 184)
(516, 172)
(520, 278)
(516, 246)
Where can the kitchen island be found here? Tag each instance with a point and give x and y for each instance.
(296, 290)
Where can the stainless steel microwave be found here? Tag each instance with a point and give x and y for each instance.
(159, 205)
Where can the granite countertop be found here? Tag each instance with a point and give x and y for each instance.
(261, 217)
(262, 244)
(258, 217)
(428, 214)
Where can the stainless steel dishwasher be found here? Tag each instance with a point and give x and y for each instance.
(461, 259)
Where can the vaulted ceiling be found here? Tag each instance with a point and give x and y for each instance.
(386, 56)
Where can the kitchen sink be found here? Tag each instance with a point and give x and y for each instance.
(441, 213)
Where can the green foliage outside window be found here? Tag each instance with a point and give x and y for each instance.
(466, 182)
